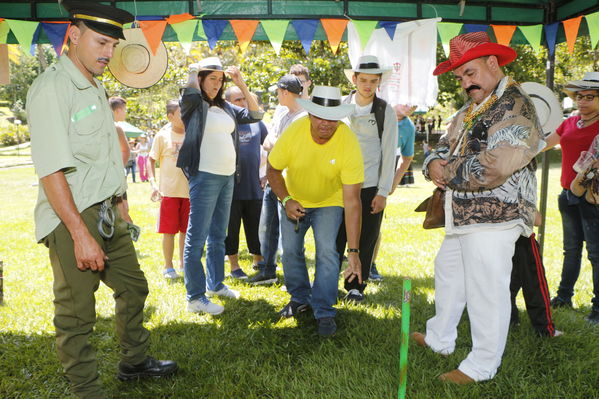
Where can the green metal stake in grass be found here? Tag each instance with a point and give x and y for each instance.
(405, 336)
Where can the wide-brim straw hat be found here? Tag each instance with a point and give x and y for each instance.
(590, 81)
(133, 63)
(325, 103)
(547, 105)
(368, 64)
(211, 64)
(469, 46)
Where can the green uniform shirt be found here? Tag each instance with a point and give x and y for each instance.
(72, 129)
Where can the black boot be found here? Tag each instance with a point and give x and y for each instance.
(148, 368)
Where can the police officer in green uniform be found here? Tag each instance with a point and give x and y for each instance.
(77, 157)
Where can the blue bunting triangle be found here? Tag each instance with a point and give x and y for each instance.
(213, 28)
(305, 29)
(475, 28)
(56, 34)
(389, 27)
(551, 36)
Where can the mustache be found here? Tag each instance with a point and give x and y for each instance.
(104, 59)
(472, 87)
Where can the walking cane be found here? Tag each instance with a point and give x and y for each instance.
(405, 336)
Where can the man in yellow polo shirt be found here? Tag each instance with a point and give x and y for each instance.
(324, 174)
(77, 157)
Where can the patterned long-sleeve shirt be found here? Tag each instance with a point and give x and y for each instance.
(491, 166)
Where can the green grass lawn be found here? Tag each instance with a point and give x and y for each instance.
(247, 352)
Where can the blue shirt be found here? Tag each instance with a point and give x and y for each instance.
(405, 137)
(251, 137)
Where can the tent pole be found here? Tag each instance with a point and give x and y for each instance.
(545, 160)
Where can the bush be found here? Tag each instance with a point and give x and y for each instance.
(8, 135)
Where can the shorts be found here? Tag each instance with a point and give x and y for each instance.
(174, 215)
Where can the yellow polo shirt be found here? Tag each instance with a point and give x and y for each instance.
(316, 173)
(72, 129)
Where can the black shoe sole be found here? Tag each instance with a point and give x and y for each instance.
(136, 376)
(264, 282)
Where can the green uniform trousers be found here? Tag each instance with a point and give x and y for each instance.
(74, 301)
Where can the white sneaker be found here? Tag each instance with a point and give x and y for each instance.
(170, 274)
(203, 305)
(558, 333)
(225, 291)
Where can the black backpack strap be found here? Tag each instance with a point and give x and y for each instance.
(378, 108)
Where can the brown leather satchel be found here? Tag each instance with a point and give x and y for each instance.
(433, 206)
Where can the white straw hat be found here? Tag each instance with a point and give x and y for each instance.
(325, 103)
(133, 63)
(367, 64)
(547, 105)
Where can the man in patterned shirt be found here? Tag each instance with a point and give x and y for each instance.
(485, 162)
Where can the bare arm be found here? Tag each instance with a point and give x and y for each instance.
(151, 177)
(403, 164)
(125, 151)
(88, 253)
(237, 78)
(353, 225)
(551, 141)
(293, 208)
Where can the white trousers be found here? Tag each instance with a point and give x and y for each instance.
(474, 270)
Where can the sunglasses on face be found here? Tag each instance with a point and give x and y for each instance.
(586, 97)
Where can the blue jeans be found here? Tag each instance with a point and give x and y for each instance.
(325, 226)
(210, 204)
(580, 222)
(268, 232)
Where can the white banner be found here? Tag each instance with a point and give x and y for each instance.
(412, 53)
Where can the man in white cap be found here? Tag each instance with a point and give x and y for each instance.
(485, 162)
(375, 125)
(324, 174)
(77, 157)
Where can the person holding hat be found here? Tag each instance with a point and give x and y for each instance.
(375, 125)
(324, 174)
(485, 162)
(289, 89)
(76, 153)
(209, 158)
(580, 219)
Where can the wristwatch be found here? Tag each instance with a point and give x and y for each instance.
(350, 250)
(284, 200)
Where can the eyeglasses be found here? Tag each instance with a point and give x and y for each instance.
(586, 97)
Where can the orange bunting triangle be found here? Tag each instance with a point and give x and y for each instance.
(334, 29)
(175, 19)
(504, 33)
(571, 30)
(153, 31)
(244, 30)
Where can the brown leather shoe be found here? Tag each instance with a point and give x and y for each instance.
(418, 337)
(456, 377)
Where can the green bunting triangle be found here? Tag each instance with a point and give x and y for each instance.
(364, 29)
(593, 24)
(275, 30)
(23, 31)
(533, 34)
(447, 31)
(185, 30)
(4, 28)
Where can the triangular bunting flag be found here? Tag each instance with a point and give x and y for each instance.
(551, 36)
(389, 27)
(57, 34)
(533, 33)
(23, 31)
(213, 28)
(153, 31)
(334, 29)
(185, 31)
(571, 29)
(475, 28)
(275, 30)
(593, 24)
(244, 31)
(447, 31)
(364, 29)
(4, 29)
(178, 18)
(504, 33)
(305, 29)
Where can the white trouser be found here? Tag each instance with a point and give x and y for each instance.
(474, 269)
